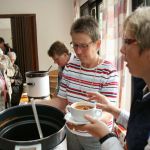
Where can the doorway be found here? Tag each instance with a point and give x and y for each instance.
(24, 41)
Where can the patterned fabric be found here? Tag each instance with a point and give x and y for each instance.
(77, 80)
(121, 126)
(120, 132)
(114, 14)
(3, 89)
(3, 92)
(7, 71)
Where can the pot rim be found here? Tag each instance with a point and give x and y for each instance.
(31, 141)
(32, 74)
(61, 130)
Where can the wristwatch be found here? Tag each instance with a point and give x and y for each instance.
(107, 136)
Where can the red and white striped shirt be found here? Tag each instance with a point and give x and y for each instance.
(77, 80)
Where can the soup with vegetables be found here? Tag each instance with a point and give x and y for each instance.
(83, 107)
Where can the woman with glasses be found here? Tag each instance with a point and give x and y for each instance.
(87, 72)
(136, 53)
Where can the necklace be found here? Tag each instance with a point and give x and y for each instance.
(84, 89)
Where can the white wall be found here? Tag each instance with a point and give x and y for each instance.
(5, 31)
(53, 18)
(82, 2)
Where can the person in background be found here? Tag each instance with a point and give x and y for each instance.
(6, 71)
(136, 52)
(86, 72)
(61, 56)
(16, 81)
(5, 47)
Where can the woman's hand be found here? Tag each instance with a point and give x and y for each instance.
(96, 128)
(103, 103)
(97, 96)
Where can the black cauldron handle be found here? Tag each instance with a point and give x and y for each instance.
(31, 84)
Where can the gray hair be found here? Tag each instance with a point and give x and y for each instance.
(138, 24)
(12, 55)
(87, 25)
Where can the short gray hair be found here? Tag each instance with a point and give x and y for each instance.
(138, 24)
(87, 25)
(12, 55)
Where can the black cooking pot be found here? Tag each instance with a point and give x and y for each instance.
(18, 127)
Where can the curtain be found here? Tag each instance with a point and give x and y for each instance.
(25, 42)
(76, 6)
(114, 13)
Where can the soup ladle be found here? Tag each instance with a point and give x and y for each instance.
(36, 118)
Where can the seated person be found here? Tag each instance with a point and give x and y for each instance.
(16, 81)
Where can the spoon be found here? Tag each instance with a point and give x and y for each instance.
(49, 68)
(36, 118)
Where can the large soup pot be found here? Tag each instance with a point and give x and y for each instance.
(18, 130)
(38, 85)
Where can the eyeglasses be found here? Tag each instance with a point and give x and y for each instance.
(128, 41)
(81, 46)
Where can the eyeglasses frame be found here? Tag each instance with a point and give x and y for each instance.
(128, 41)
(81, 45)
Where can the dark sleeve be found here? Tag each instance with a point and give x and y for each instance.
(18, 76)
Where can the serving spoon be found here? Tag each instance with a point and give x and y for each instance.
(36, 118)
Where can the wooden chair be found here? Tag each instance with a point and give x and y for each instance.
(53, 75)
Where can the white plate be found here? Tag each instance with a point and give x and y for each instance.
(69, 118)
(80, 133)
